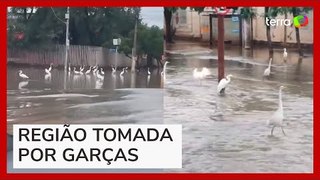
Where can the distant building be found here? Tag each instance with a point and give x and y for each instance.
(191, 24)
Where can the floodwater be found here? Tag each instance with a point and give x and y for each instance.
(87, 99)
(220, 133)
(129, 99)
(229, 133)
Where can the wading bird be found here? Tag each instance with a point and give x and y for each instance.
(285, 54)
(113, 70)
(149, 72)
(164, 68)
(49, 69)
(74, 71)
(223, 84)
(277, 117)
(205, 72)
(268, 70)
(99, 75)
(89, 70)
(95, 68)
(122, 72)
(23, 84)
(197, 74)
(23, 76)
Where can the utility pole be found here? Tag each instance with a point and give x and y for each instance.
(220, 47)
(116, 42)
(67, 17)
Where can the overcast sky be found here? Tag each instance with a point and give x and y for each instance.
(152, 16)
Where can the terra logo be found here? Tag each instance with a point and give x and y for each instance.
(298, 21)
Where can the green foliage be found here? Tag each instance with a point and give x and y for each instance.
(88, 26)
(247, 12)
(43, 27)
(275, 11)
(150, 41)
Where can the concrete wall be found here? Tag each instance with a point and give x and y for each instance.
(190, 23)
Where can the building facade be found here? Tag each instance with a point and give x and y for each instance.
(191, 24)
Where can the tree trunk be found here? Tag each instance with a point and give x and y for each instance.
(285, 30)
(295, 13)
(134, 49)
(246, 33)
(266, 10)
(168, 17)
(149, 61)
(251, 32)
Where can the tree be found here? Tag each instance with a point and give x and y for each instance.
(168, 11)
(248, 13)
(268, 32)
(88, 25)
(149, 42)
(295, 11)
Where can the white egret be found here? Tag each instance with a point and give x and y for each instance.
(277, 117)
(122, 80)
(49, 69)
(122, 72)
(81, 68)
(197, 74)
(268, 70)
(23, 84)
(69, 68)
(149, 72)
(102, 72)
(205, 72)
(285, 54)
(223, 84)
(47, 77)
(113, 70)
(75, 72)
(23, 76)
(99, 75)
(95, 69)
(89, 70)
(164, 68)
(148, 81)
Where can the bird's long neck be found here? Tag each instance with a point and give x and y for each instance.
(280, 99)
(270, 63)
(165, 65)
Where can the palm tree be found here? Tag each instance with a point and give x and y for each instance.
(247, 14)
(168, 11)
(266, 14)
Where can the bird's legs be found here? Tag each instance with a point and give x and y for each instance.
(272, 130)
(283, 131)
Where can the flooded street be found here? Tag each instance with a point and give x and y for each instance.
(87, 99)
(220, 133)
(229, 133)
